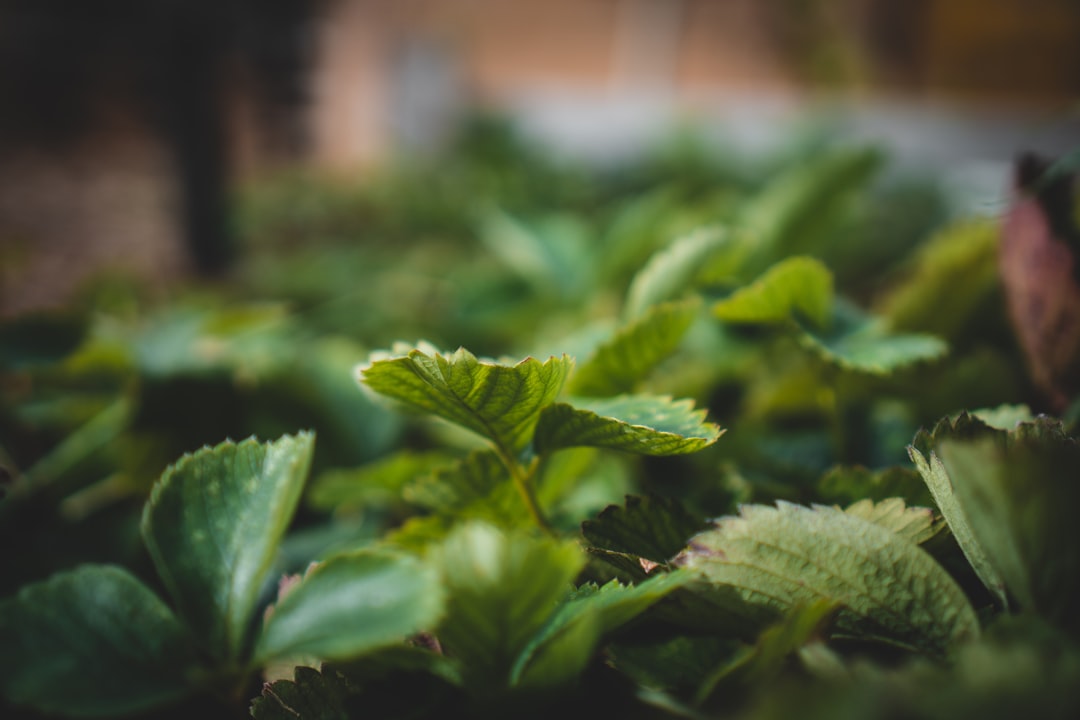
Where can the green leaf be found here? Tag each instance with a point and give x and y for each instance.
(670, 272)
(552, 255)
(916, 524)
(859, 343)
(804, 625)
(453, 486)
(588, 614)
(889, 589)
(844, 485)
(561, 656)
(93, 641)
(644, 424)
(799, 210)
(954, 276)
(577, 483)
(1004, 417)
(681, 662)
(499, 402)
(937, 480)
(798, 286)
(396, 682)
(650, 528)
(350, 605)
(312, 695)
(213, 525)
(377, 483)
(627, 358)
(501, 590)
(1019, 492)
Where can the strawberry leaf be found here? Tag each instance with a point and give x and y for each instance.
(626, 359)
(798, 286)
(650, 528)
(671, 271)
(501, 403)
(644, 424)
(213, 525)
(352, 604)
(777, 558)
(93, 641)
(937, 479)
(501, 590)
(586, 615)
(917, 524)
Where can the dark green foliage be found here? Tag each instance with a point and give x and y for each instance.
(92, 642)
(663, 474)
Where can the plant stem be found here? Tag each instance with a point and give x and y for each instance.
(523, 482)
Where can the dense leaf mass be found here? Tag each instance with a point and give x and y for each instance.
(690, 499)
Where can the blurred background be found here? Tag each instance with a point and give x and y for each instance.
(129, 128)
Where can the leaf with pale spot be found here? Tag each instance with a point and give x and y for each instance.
(213, 525)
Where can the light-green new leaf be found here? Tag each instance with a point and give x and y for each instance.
(213, 525)
(502, 588)
(90, 642)
(776, 558)
(589, 613)
(643, 424)
(798, 286)
(476, 486)
(350, 605)
(499, 402)
(873, 350)
(673, 270)
(620, 363)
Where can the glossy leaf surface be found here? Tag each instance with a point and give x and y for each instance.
(352, 604)
(644, 424)
(498, 402)
(213, 526)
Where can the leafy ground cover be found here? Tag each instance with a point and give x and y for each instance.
(698, 436)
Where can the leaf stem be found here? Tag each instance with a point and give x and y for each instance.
(522, 478)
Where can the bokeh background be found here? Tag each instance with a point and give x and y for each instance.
(130, 128)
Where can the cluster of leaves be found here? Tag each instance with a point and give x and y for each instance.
(499, 536)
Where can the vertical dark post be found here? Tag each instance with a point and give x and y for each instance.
(188, 83)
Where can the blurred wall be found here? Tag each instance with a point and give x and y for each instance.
(635, 61)
(126, 122)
